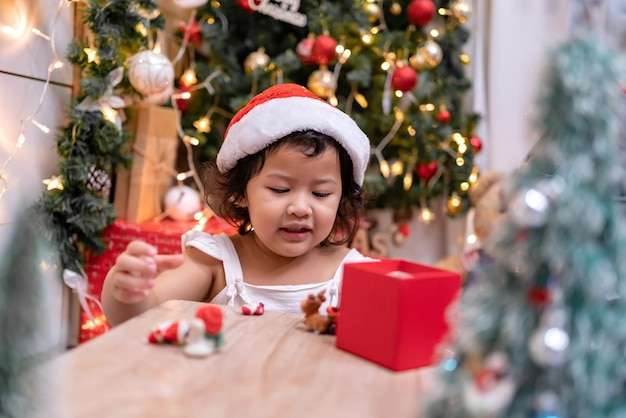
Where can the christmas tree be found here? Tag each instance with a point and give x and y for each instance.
(396, 66)
(542, 333)
(28, 337)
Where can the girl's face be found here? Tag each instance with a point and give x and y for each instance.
(293, 201)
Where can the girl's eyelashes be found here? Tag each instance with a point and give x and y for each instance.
(317, 194)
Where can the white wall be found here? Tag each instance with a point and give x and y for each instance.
(511, 40)
(24, 62)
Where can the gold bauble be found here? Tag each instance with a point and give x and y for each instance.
(454, 205)
(372, 10)
(257, 59)
(395, 9)
(322, 83)
(431, 52)
(465, 59)
(417, 62)
(461, 10)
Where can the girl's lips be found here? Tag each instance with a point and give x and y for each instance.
(295, 234)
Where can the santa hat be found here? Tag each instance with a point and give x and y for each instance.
(212, 317)
(169, 332)
(286, 108)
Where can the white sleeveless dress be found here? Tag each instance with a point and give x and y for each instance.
(283, 298)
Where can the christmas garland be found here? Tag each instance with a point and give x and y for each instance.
(91, 144)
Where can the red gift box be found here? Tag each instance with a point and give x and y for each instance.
(165, 235)
(393, 312)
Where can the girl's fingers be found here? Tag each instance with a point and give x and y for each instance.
(131, 289)
(167, 262)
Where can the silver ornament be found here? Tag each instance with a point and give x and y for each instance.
(431, 52)
(529, 208)
(548, 345)
(461, 10)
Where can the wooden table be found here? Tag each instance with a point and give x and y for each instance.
(270, 366)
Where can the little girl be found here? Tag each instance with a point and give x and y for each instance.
(289, 176)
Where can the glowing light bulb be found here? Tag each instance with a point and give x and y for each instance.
(384, 168)
(426, 215)
(189, 77)
(407, 181)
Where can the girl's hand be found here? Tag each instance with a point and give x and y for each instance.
(136, 269)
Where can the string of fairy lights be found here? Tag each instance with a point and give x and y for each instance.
(18, 30)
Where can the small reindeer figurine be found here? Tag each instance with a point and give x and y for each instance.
(313, 320)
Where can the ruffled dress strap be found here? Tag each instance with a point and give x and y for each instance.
(353, 256)
(221, 248)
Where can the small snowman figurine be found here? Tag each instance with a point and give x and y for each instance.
(205, 332)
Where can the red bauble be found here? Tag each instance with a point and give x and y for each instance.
(304, 50)
(245, 5)
(538, 296)
(476, 143)
(443, 115)
(324, 49)
(404, 79)
(183, 104)
(426, 170)
(420, 12)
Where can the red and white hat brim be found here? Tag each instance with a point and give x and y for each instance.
(274, 119)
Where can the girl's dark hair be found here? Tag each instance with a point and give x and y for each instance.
(223, 192)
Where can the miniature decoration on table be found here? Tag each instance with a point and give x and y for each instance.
(200, 337)
(313, 320)
(205, 332)
(169, 332)
(253, 309)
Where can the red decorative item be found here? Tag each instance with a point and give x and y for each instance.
(404, 230)
(245, 5)
(304, 51)
(426, 170)
(195, 32)
(169, 332)
(393, 312)
(443, 115)
(324, 49)
(183, 104)
(90, 329)
(404, 79)
(538, 296)
(253, 309)
(477, 144)
(420, 12)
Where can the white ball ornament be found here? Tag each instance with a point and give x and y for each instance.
(190, 4)
(152, 75)
(182, 203)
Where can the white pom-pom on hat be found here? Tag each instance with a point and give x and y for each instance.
(285, 108)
